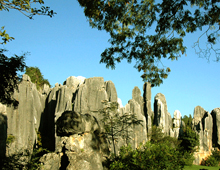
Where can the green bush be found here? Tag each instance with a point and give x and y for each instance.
(210, 161)
(189, 143)
(23, 160)
(148, 156)
(216, 154)
(10, 139)
(213, 159)
(189, 140)
(36, 77)
(38, 152)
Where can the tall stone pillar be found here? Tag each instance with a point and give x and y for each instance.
(147, 106)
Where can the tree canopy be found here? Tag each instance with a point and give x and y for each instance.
(9, 66)
(129, 21)
(36, 77)
(27, 8)
(8, 77)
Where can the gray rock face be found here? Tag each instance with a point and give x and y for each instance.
(59, 99)
(73, 82)
(216, 127)
(50, 161)
(69, 119)
(162, 118)
(177, 124)
(203, 125)
(71, 123)
(25, 120)
(136, 95)
(111, 91)
(79, 146)
(46, 89)
(64, 101)
(47, 124)
(90, 95)
(149, 114)
(138, 133)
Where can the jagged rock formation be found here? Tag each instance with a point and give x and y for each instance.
(162, 117)
(149, 114)
(203, 125)
(74, 82)
(177, 124)
(90, 95)
(135, 106)
(80, 144)
(69, 120)
(216, 127)
(23, 122)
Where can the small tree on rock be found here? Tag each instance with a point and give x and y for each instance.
(116, 124)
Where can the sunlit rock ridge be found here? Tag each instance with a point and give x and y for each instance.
(68, 118)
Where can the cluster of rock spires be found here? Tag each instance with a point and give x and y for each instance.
(68, 118)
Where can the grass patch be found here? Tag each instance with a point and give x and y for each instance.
(197, 167)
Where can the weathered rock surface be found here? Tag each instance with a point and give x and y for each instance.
(136, 95)
(79, 144)
(177, 124)
(25, 120)
(74, 82)
(216, 127)
(111, 91)
(90, 95)
(203, 125)
(75, 123)
(149, 114)
(69, 119)
(138, 132)
(162, 117)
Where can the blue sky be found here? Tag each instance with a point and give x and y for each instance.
(66, 45)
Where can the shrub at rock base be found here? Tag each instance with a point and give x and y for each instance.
(148, 156)
(212, 160)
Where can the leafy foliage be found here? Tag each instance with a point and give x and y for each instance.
(10, 139)
(26, 8)
(9, 79)
(12, 162)
(189, 140)
(36, 77)
(116, 124)
(24, 160)
(216, 154)
(213, 159)
(5, 36)
(156, 134)
(129, 21)
(38, 152)
(186, 144)
(9, 66)
(187, 120)
(148, 156)
(189, 143)
(161, 152)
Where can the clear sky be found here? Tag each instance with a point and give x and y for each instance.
(66, 45)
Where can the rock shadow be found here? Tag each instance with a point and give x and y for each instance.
(3, 134)
(64, 159)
